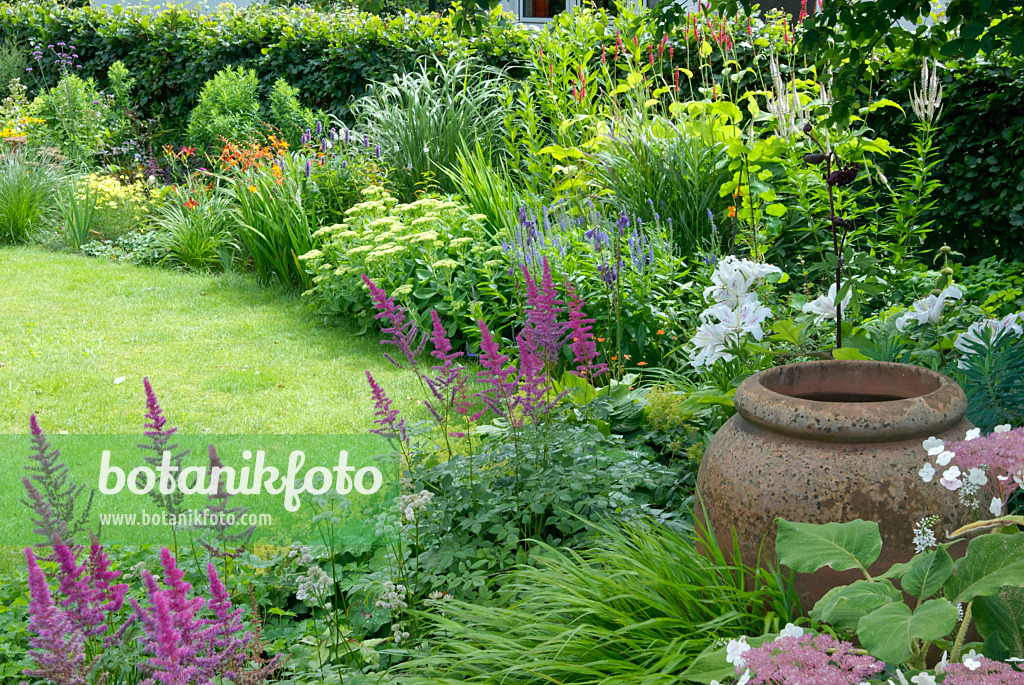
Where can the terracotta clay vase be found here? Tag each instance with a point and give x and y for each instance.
(830, 441)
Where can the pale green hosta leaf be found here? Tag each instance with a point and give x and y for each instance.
(992, 562)
(844, 607)
(927, 573)
(887, 632)
(806, 547)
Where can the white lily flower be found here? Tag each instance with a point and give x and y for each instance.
(929, 309)
(824, 307)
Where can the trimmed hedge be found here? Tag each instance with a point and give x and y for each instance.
(332, 57)
(329, 57)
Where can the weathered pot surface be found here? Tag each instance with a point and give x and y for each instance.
(830, 441)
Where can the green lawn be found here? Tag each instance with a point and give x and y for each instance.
(224, 354)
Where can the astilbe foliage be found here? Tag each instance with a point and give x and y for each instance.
(159, 442)
(58, 647)
(53, 494)
(808, 658)
(219, 539)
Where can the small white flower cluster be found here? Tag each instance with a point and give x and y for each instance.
(398, 634)
(924, 536)
(411, 505)
(300, 552)
(437, 596)
(965, 484)
(392, 597)
(928, 309)
(996, 326)
(313, 586)
(736, 311)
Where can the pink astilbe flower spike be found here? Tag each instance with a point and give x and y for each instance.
(52, 483)
(543, 330)
(499, 378)
(58, 647)
(532, 381)
(83, 605)
(159, 442)
(219, 539)
(582, 344)
(444, 382)
(226, 636)
(391, 425)
(404, 334)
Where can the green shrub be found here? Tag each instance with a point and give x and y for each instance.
(638, 608)
(424, 120)
(75, 116)
(12, 65)
(658, 168)
(430, 246)
(228, 109)
(285, 113)
(29, 195)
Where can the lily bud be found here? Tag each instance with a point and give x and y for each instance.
(814, 158)
(807, 127)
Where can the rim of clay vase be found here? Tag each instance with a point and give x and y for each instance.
(851, 401)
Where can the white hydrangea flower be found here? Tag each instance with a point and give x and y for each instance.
(791, 631)
(927, 472)
(944, 457)
(734, 651)
(951, 478)
(933, 446)
(973, 434)
(996, 507)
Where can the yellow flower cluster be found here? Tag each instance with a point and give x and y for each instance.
(119, 207)
(18, 127)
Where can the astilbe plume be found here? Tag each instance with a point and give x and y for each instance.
(404, 334)
(53, 495)
(390, 424)
(499, 377)
(58, 647)
(224, 542)
(532, 380)
(184, 646)
(543, 331)
(90, 595)
(584, 349)
(809, 658)
(985, 672)
(159, 442)
(445, 383)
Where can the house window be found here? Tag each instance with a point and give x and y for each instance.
(542, 10)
